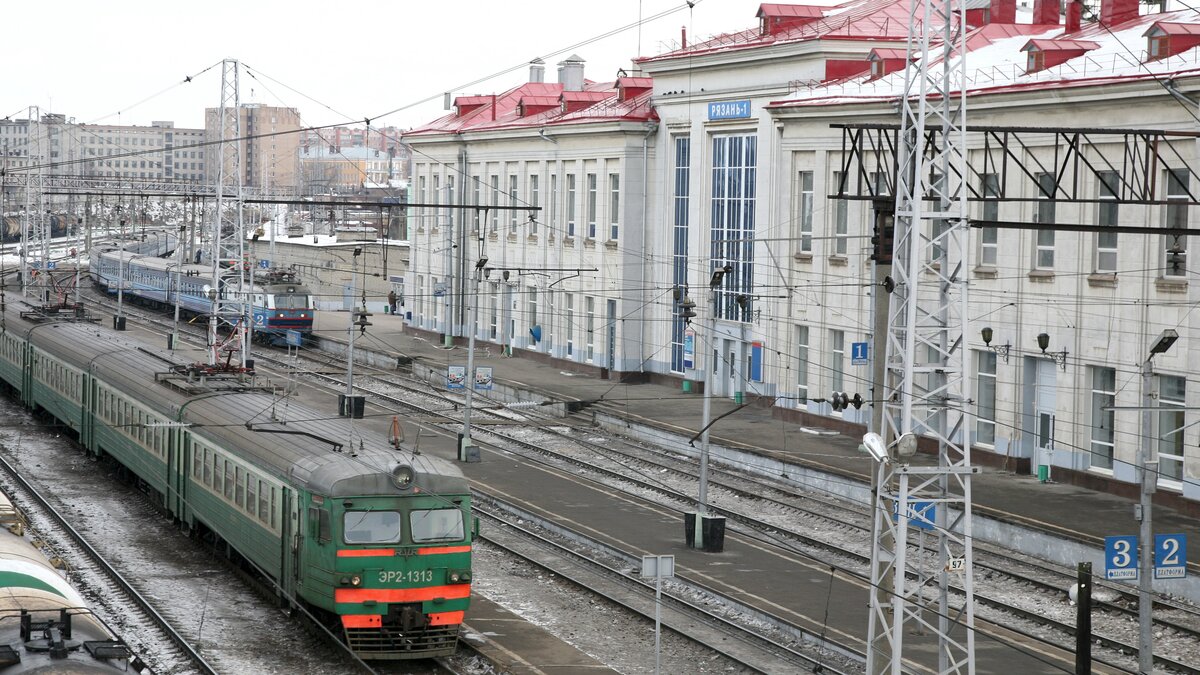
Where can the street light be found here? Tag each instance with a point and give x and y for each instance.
(467, 452)
(1144, 510)
(704, 522)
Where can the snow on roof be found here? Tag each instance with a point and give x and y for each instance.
(995, 62)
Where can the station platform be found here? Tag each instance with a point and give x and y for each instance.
(1064, 522)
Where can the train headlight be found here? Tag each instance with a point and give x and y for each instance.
(356, 580)
(458, 576)
(402, 476)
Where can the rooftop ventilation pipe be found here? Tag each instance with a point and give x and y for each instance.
(570, 73)
(1045, 12)
(1002, 11)
(537, 71)
(1116, 12)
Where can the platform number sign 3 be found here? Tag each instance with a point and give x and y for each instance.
(1120, 558)
(1170, 556)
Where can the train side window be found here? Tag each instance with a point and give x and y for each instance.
(319, 517)
(273, 491)
(262, 501)
(251, 494)
(197, 463)
(240, 494)
(229, 479)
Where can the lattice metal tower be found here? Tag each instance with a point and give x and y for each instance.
(228, 291)
(926, 388)
(35, 240)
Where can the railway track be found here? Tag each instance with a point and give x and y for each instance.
(104, 580)
(767, 531)
(611, 572)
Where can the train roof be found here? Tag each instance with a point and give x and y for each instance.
(323, 452)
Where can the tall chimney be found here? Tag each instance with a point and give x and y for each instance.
(537, 71)
(1116, 12)
(1002, 11)
(1074, 15)
(683, 37)
(1045, 12)
(570, 73)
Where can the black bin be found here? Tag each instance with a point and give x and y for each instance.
(351, 406)
(118, 323)
(712, 531)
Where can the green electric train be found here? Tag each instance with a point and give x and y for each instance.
(372, 539)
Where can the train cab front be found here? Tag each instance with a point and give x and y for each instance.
(288, 310)
(402, 574)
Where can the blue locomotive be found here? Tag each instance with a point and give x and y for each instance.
(280, 302)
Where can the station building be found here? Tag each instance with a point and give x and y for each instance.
(731, 159)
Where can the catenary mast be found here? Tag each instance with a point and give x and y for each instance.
(926, 390)
(228, 290)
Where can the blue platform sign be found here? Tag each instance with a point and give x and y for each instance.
(50, 264)
(1170, 556)
(729, 110)
(859, 354)
(1120, 558)
(921, 514)
(294, 338)
(265, 264)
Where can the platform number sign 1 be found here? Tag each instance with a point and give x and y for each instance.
(1121, 558)
(859, 354)
(1170, 556)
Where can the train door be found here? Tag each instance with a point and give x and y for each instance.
(293, 549)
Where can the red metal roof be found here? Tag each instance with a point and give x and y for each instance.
(598, 102)
(1060, 45)
(855, 19)
(1171, 28)
(772, 10)
(884, 53)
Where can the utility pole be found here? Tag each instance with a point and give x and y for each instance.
(707, 533)
(1148, 467)
(467, 452)
(926, 387)
(228, 236)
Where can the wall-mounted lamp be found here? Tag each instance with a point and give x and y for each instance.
(481, 263)
(1043, 341)
(718, 276)
(1000, 350)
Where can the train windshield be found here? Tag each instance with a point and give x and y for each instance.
(436, 525)
(371, 527)
(292, 301)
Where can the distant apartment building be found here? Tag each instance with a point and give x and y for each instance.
(348, 170)
(63, 147)
(269, 138)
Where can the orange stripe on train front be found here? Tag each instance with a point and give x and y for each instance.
(364, 620)
(365, 552)
(445, 618)
(358, 595)
(434, 550)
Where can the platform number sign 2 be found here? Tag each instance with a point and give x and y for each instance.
(1120, 558)
(1170, 556)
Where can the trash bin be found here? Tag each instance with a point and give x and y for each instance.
(739, 396)
(687, 386)
(1044, 472)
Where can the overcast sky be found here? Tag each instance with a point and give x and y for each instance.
(334, 61)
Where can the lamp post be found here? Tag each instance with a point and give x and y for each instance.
(467, 452)
(1144, 510)
(705, 534)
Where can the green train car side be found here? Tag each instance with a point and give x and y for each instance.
(374, 541)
